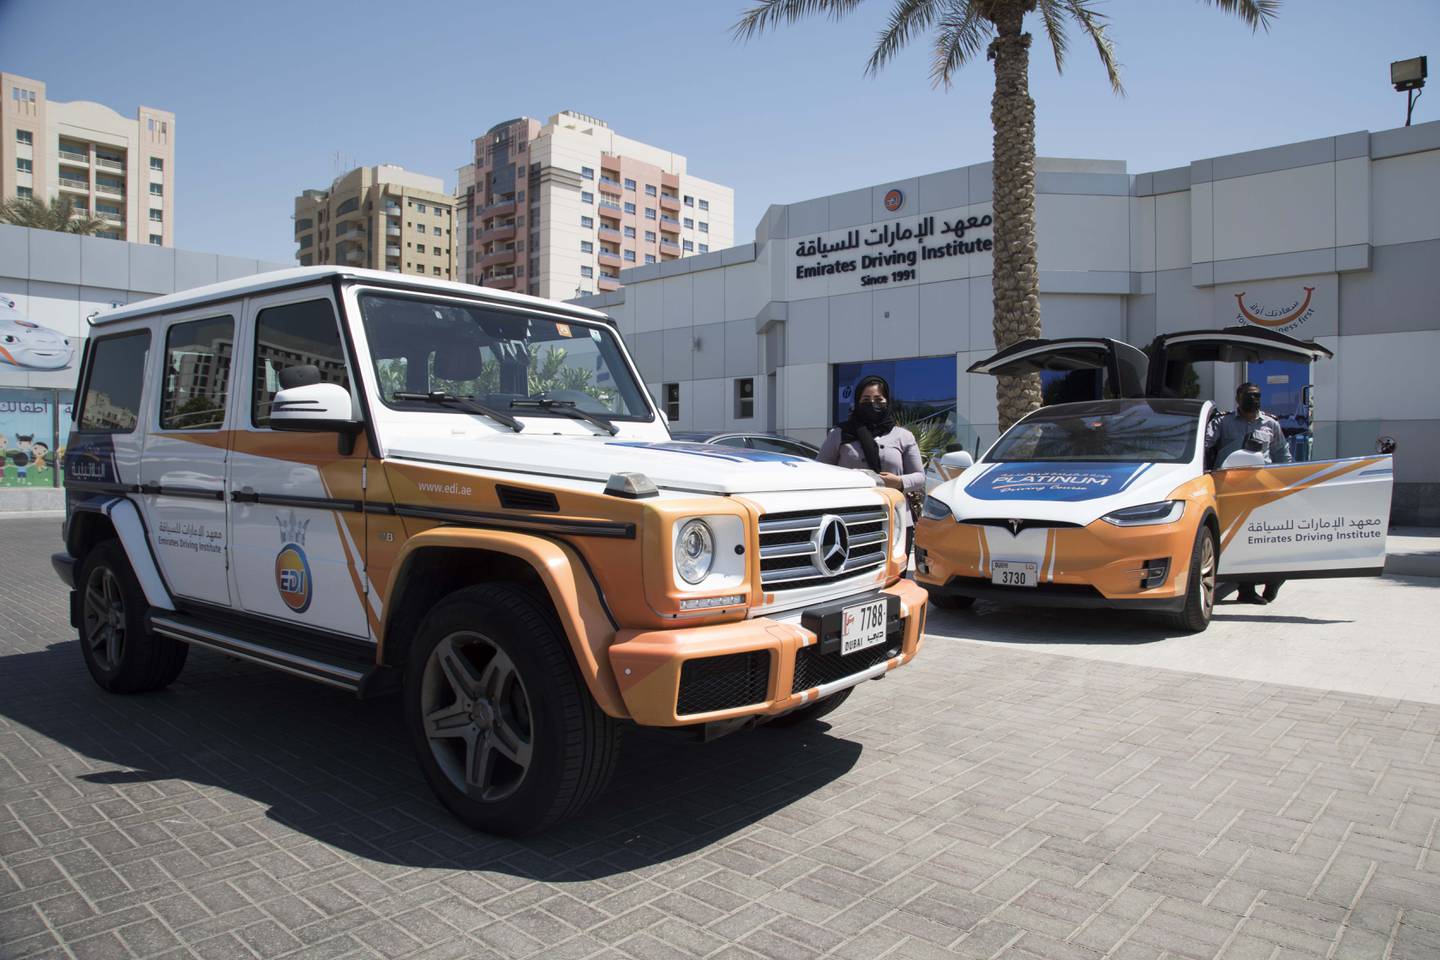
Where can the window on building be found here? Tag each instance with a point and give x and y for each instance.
(629, 207)
(24, 193)
(630, 232)
(744, 398)
(156, 216)
(688, 246)
(419, 208)
(24, 136)
(157, 190)
(587, 272)
(649, 213)
(157, 163)
(420, 228)
(689, 200)
(704, 204)
(436, 251)
(672, 401)
(689, 224)
(649, 236)
(704, 248)
(24, 166)
(649, 189)
(629, 184)
(112, 387)
(630, 255)
(197, 374)
(586, 246)
(435, 270)
(436, 231)
(293, 335)
(349, 206)
(588, 173)
(587, 222)
(649, 258)
(586, 196)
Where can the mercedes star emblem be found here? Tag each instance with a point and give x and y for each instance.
(832, 545)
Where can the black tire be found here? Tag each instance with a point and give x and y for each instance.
(811, 712)
(1200, 585)
(951, 601)
(519, 743)
(121, 654)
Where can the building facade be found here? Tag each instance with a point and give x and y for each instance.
(1336, 240)
(382, 218)
(120, 170)
(50, 285)
(559, 209)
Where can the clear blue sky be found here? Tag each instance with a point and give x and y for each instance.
(267, 92)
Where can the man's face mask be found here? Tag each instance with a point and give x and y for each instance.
(1249, 403)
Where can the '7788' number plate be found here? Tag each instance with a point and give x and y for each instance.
(861, 626)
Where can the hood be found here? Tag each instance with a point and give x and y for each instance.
(672, 465)
(1067, 491)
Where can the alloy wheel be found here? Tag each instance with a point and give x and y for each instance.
(1207, 575)
(477, 716)
(105, 617)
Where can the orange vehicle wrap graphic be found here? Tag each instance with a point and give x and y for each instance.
(1244, 491)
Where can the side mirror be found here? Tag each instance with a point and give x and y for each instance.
(315, 408)
(1386, 445)
(957, 460)
(1243, 458)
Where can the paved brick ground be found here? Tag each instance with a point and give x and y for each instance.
(984, 802)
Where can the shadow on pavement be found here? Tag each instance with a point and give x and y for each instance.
(1012, 623)
(1272, 618)
(341, 771)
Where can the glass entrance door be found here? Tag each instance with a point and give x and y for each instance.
(1284, 396)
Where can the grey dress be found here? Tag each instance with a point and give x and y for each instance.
(899, 454)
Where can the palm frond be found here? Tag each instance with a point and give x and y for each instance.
(1053, 14)
(960, 34)
(769, 14)
(908, 18)
(1255, 14)
(1093, 23)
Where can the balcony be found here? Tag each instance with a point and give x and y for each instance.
(392, 231)
(669, 224)
(608, 258)
(497, 209)
(608, 209)
(354, 255)
(607, 283)
(392, 251)
(667, 244)
(110, 216)
(110, 189)
(608, 161)
(70, 183)
(500, 281)
(607, 185)
(506, 256)
(392, 210)
(109, 162)
(609, 233)
(669, 202)
(72, 156)
(505, 231)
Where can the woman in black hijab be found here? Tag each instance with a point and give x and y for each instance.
(870, 440)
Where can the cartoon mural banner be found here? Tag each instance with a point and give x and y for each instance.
(34, 427)
(28, 346)
(1304, 307)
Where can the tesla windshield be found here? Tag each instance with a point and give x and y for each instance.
(1104, 432)
(528, 364)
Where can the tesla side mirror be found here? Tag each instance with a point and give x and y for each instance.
(1385, 445)
(957, 460)
(1243, 458)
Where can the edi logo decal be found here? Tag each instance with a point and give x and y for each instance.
(1063, 482)
(292, 569)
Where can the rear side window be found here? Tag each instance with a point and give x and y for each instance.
(290, 336)
(114, 386)
(197, 374)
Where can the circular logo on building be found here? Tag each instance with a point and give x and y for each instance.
(894, 200)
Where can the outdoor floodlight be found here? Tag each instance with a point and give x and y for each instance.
(1408, 77)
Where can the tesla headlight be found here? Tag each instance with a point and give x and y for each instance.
(694, 551)
(1163, 511)
(935, 509)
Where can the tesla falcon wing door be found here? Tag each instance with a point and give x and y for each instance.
(1172, 353)
(1321, 518)
(1118, 367)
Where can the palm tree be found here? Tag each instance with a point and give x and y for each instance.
(59, 214)
(960, 30)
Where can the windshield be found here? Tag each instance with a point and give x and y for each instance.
(495, 356)
(1101, 433)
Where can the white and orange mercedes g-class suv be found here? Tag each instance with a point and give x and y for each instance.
(379, 482)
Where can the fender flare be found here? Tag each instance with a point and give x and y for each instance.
(577, 602)
(135, 541)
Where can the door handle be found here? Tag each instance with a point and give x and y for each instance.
(245, 495)
(150, 488)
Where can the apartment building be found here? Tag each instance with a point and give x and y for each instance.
(115, 168)
(384, 218)
(559, 209)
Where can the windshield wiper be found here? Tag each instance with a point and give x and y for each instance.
(464, 403)
(568, 408)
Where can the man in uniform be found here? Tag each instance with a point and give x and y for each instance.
(1248, 428)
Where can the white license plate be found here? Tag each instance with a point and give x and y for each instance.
(861, 626)
(1013, 573)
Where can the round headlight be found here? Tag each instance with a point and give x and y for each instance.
(897, 529)
(694, 551)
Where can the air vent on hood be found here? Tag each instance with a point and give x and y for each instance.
(518, 498)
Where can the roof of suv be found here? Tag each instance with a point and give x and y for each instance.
(298, 276)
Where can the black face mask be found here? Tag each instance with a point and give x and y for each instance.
(1250, 403)
(871, 413)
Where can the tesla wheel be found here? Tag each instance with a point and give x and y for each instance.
(1200, 585)
(506, 733)
(121, 654)
(951, 601)
(813, 711)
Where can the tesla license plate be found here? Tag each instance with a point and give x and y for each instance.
(861, 626)
(1014, 573)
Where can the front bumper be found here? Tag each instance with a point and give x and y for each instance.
(765, 667)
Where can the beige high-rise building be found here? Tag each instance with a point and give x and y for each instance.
(558, 210)
(116, 168)
(383, 218)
